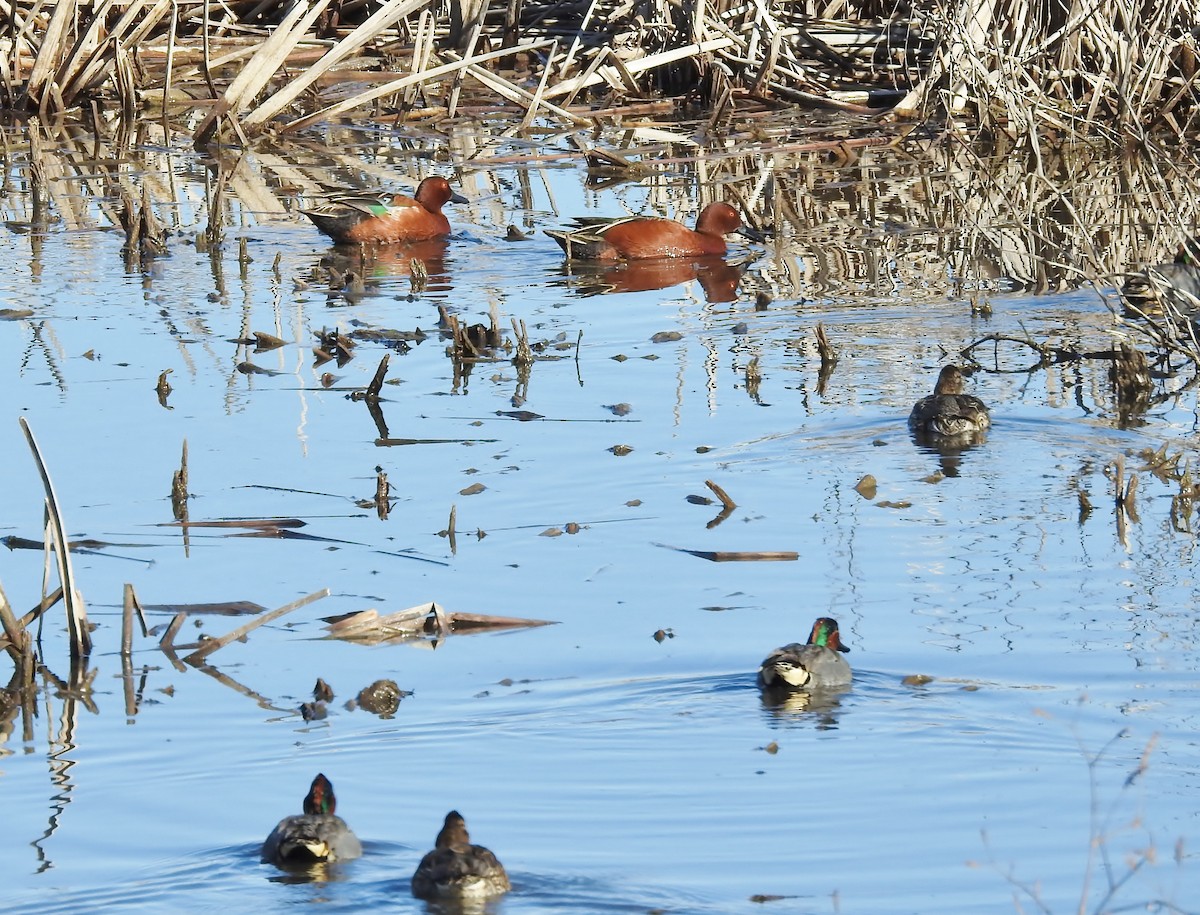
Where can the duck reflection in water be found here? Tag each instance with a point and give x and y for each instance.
(387, 261)
(718, 279)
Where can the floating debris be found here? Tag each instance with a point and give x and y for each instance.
(265, 342)
(370, 627)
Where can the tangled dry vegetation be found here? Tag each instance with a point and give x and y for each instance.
(245, 67)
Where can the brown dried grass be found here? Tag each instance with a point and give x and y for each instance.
(1122, 68)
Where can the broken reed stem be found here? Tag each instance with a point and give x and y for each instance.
(127, 623)
(167, 642)
(829, 356)
(263, 618)
(130, 602)
(383, 492)
(77, 622)
(13, 630)
(450, 532)
(376, 384)
(524, 354)
(721, 494)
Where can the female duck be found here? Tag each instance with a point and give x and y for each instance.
(1174, 286)
(456, 868)
(385, 220)
(814, 665)
(316, 836)
(636, 238)
(948, 412)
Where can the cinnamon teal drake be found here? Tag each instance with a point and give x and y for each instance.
(948, 412)
(318, 835)
(456, 868)
(637, 238)
(363, 218)
(814, 665)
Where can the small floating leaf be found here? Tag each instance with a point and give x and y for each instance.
(551, 532)
(886, 503)
(472, 490)
(917, 680)
(621, 450)
(666, 336)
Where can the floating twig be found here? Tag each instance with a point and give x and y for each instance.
(721, 494)
(737, 555)
(218, 643)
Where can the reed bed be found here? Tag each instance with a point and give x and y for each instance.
(241, 69)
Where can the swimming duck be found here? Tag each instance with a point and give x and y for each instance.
(315, 836)
(1176, 285)
(816, 664)
(388, 219)
(456, 868)
(635, 238)
(948, 412)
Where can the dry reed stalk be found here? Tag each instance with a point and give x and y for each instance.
(520, 97)
(261, 67)
(208, 647)
(395, 86)
(13, 630)
(629, 69)
(77, 621)
(382, 19)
